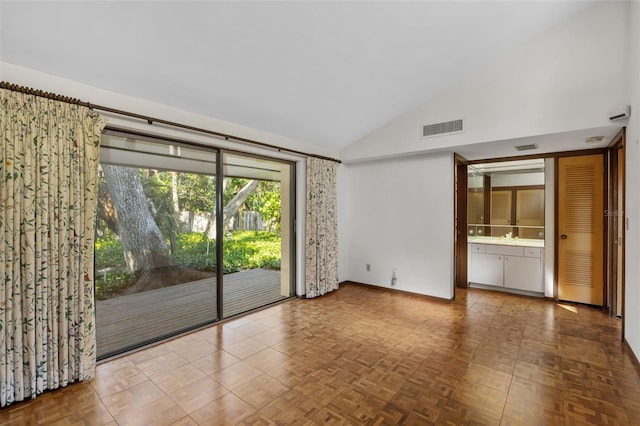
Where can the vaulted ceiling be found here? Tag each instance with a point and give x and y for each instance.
(326, 73)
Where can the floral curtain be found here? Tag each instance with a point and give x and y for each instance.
(48, 188)
(322, 228)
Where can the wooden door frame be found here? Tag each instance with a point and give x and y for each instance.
(618, 145)
(461, 187)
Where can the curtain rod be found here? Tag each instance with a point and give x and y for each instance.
(151, 120)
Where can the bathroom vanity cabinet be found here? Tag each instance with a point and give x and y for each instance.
(510, 264)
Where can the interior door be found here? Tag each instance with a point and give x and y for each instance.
(581, 229)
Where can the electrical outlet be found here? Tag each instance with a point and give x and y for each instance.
(368, 267)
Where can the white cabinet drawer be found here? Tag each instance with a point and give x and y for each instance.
(505, 250)
(532, 252)
(477, 248)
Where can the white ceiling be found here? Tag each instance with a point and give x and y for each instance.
(326, 73)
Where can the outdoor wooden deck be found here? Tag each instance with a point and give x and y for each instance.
(130, 320)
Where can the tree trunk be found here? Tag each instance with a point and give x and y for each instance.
(236, 202)
(192, 218)
(176, 213)
(106, 212)
(143, 244)
(175, 199)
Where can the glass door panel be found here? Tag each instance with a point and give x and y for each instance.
(155, 243)
(258, 248)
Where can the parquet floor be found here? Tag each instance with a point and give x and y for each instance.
(366, 356)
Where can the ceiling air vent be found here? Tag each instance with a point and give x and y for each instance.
(527, 147)
(445, 128)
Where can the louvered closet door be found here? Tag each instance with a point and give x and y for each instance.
(580, 229)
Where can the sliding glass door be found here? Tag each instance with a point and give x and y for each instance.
(257, 232)
(155, 246)
(157, 272)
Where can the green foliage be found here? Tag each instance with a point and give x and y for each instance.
(110, 282)
(108, 252)
(242, 250)
(196, 192)
(266, 199)
(251, 249)
(196, 251)
(269, 202)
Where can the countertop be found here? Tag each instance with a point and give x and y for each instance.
(524, 242)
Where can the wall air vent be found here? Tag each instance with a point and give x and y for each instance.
(527, 147)
(445, 128)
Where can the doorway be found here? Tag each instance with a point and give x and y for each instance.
(506, 226)
(612, 234)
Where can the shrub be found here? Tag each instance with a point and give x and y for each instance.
(110, 282)
(108, 252)
(195, 251)
(242, 250)
(251, 249)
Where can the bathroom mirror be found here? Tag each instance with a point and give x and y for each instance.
(506, 199)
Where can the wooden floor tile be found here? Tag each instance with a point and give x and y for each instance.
(321, 386)
(291, 408)
(235, 375)
(252, 328)
(480, 375)
(260, 391)
(117, 376)
(192, 348)
(160, 412)
(357, 406)
(161, 363)
(185, 421)
(215, 361)
(133, 398)
(71, 406)
(177, 378)
(197, 395)
(226, 410)
(244, 348)
(266, 359)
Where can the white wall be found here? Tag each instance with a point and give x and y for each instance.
(632, 272)
(31, 78)
(565, 80)
(400, 215)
